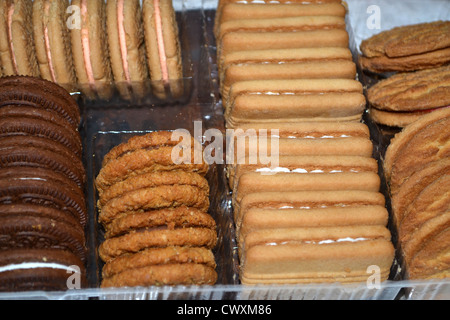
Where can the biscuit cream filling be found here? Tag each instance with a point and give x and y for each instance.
(47, 41)
(37, 265)
(85, 44)
(319, 242)
(297, 170)
(122, 39)
(10, 37)
(160, 41)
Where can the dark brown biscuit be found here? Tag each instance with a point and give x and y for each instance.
(41, 94)
(136, 241)
(171, 274)
(182, 217)
(30, 232)
(41, 187)
(36, 157)
(159, 256)
(43, 276)
(154, 198)
(11, 126)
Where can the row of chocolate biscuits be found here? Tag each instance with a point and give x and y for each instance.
(417, 168)
(311, 210)
(154, 208)
(42, 200)
(88, 44)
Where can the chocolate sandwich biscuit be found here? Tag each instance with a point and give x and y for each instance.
(39, 94)
(17, 51)
(152, 180)
(416, 145)
(294, 100)
(22, 126)
(39, 186)
(127, 47)
(90, 50)
(308, 255)
(163, 48)
(169, 266)
(52, 40)
(158, 197)
(409, 95)
(39, 269)
(247, 41)
(41, 233)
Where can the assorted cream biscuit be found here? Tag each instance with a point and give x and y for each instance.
(155, 216)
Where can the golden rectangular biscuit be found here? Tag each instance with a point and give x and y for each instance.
(243, 41)
(299, 255)
(242, 11)
(294, 100)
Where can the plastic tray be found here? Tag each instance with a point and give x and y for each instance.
(108, 123)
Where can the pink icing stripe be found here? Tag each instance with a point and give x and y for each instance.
(86, 45)
(122, 39)
(160, 40)
(10, 38)
(47, 42)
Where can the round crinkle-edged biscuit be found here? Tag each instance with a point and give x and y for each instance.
(180, 217)
(159, 256)
(138, 240)
(154, 198)
(152, 180)
(171, 274)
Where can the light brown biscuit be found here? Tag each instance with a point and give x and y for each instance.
(415, 62)
(180, 217)
(306, 199)
(305, 255)
(52, 40)
(159, 256)
(303, 164)
(420, 90)
(90, 50)
(421, 142)
(395, 119)
(247, 41)
(432, 201)
(271, 103)
(17, 51)
(152, 180)
(260, 218)
(127, 47)
(139, 240)
(163, 47)
(171, 274)
(159, 197)
(290, 24)
(408, 40)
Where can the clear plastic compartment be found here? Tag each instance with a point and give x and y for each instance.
(108, 123)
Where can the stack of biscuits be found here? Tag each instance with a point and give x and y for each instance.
(153, 204)
(420, 53)
(42, 180)
(417, 168)
(306, 198)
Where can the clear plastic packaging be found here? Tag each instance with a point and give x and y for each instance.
(108, 123)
